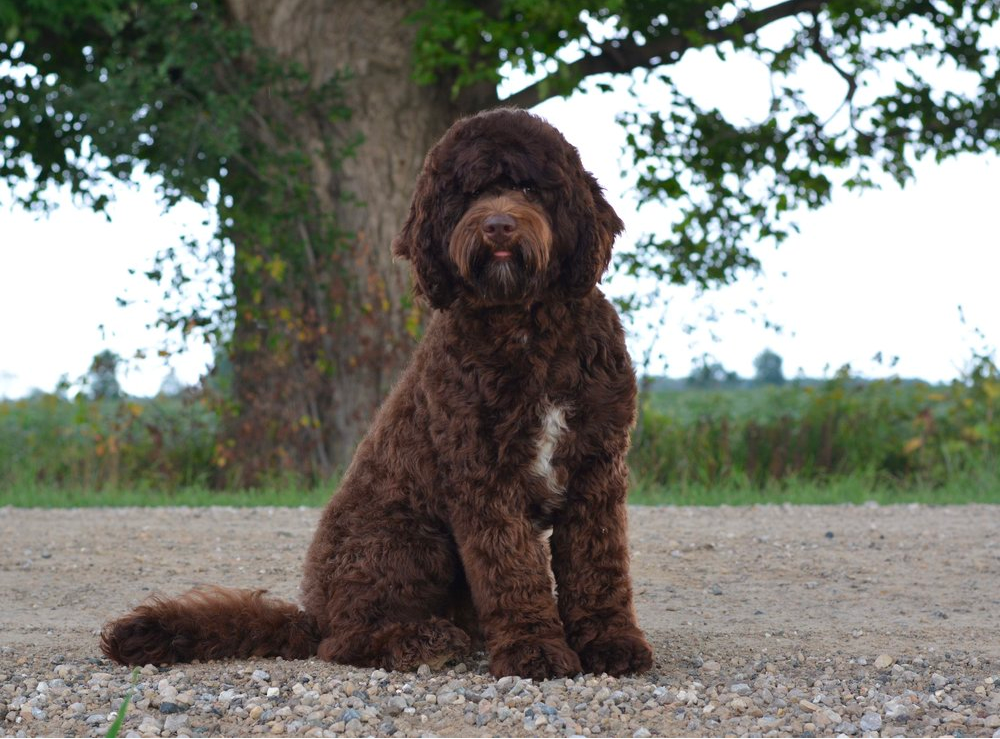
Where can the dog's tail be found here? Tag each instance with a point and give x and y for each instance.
(210, 623)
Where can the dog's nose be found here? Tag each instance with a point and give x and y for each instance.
(499, 227)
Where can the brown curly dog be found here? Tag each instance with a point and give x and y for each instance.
(512, 421)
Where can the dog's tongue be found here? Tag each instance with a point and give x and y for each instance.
(501, 254)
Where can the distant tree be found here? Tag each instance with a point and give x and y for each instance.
(219, 378)
(102, 377)
(309, 121)
(171, 384)
(711, 374)
(768, 369)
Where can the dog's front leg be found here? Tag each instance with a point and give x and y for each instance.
(507, 569)
(590, 563)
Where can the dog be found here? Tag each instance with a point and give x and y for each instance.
(486, 504)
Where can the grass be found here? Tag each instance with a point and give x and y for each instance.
(56, 497)
(981, 486)
(839, 440)
(116, 726)
(973, 486)
(886, 433)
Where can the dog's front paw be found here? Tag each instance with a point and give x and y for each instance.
(535, 658)
(621, 653)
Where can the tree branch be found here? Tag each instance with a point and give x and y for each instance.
(850, 79)
(623, 55)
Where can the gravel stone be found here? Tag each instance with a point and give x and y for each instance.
(777, 658)
(396, 705)
(174, 723)
(884, 662)
(871, 722)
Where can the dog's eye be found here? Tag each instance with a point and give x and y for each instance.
(529, 192)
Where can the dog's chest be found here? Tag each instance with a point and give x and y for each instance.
(552, 431)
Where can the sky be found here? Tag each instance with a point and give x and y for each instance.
(875, 279)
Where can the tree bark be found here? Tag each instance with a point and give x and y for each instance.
(304, 409)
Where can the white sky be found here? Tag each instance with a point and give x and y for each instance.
(883, 271)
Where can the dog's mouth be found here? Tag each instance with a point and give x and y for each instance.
(501, 274)
(484, 257)
(501, 247)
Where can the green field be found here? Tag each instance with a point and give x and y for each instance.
(842, 440)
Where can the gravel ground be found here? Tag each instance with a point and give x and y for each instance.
(767, 621)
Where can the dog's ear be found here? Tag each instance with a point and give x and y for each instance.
(421, 244)
(598, 225)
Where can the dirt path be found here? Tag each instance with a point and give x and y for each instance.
(717, 589)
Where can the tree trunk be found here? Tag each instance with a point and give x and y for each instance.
(305, 396)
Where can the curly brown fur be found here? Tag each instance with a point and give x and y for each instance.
(512, 418)
(210, 623)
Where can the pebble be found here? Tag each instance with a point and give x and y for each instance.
(708, 694)
(884, 662)
(174, 723)
(871, 722)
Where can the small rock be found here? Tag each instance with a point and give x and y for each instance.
(884, 662)
(424, 671)
(150, 725)
(350, 715)
(261, 676)
(939, 681)
(396, 705)
(740, 689)
(846, 727)
(896, 709)
(871, 722)
(642, 731)
(174, 723)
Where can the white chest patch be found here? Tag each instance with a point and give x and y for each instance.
(553, 429)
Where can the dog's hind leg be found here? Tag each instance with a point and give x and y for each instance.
(396, 645)
(382, 594)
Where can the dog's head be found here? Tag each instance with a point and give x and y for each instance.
(505, 213)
